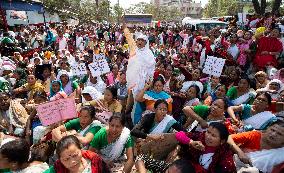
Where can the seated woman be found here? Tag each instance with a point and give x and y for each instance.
(34, 128)
(85, 126)
(208, 151)
(13, 116)
(261, 79)
(109, 102)
(241, 94)
(90, 93)
(71, 158)
(21, 79)
(274, 88)
(14, 155)
(219, 93)
(151, 127)
(56, 91)
(68, 85)
(155, 123)
(204, 114)
(262, 147)
(112, 141)
(255, 116)
(30, 87)
(192, 95)
(150, 97)
(211, 86)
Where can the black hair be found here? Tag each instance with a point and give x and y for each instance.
(225, 101)
(16, 151)
(267, 95)
(41, 152)
(222, 85)
(40, 94)
(247, 79)
(65, 142)
(159, 78)
(184, 166)
(160, 101)
(90, 109)
(197, 90)
(119, 117)
(222, 129)
(113, 91)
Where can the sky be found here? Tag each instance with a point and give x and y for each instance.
(127, 3)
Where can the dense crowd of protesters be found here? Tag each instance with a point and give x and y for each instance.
(155, 87)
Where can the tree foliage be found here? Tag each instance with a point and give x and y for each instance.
(221, 8)
(261, 5)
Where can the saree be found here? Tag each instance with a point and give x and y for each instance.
(269, 44)
(151, 97)
(164, 126)
(261, 120)
(114, 150)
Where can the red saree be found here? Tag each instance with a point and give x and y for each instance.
(269, 44)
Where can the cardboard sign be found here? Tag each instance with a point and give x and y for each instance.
(213, 66)
(160, 149)
(79, 69)
(56, 111)
(99, 65)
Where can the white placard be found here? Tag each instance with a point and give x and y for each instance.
(99, 65)
(214, 66)
(79, 69)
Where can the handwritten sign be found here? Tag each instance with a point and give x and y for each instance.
(99, 65)
(104, 116)
(79, 69)
(56, 111)
(214, 66)
(160, 149)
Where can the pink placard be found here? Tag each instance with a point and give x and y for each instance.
(56, 111)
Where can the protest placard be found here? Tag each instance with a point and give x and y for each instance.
(213, 66)
(99, 65)
(56, 111)
(159, 149)
(79, 69)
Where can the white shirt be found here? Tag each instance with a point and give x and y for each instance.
(62, 43)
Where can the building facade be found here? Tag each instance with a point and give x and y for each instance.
(188, 8)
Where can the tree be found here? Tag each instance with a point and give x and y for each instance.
(260, 6)
(221, 8)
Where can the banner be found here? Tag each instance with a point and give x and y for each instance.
(214, 66)
(56, 111)
(79, 69)
(99, 65)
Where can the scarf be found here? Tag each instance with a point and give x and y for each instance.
(258, 121)
(52, 93)
(164, 125)
(96, 161)
(119, 144)
(68, 88)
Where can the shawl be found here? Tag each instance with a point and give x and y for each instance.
(97, 163)
(141, 65)
(277, 75)
(52, 93)
(18, 114)
(68, 88)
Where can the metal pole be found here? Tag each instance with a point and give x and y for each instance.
(118, 17)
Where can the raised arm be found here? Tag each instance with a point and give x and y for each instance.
(130, 41)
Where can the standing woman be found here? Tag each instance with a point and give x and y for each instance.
(72, 159)
(112, 141)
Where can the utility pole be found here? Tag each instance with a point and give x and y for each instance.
(118, 12)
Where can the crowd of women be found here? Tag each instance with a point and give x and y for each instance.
(155, 91)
